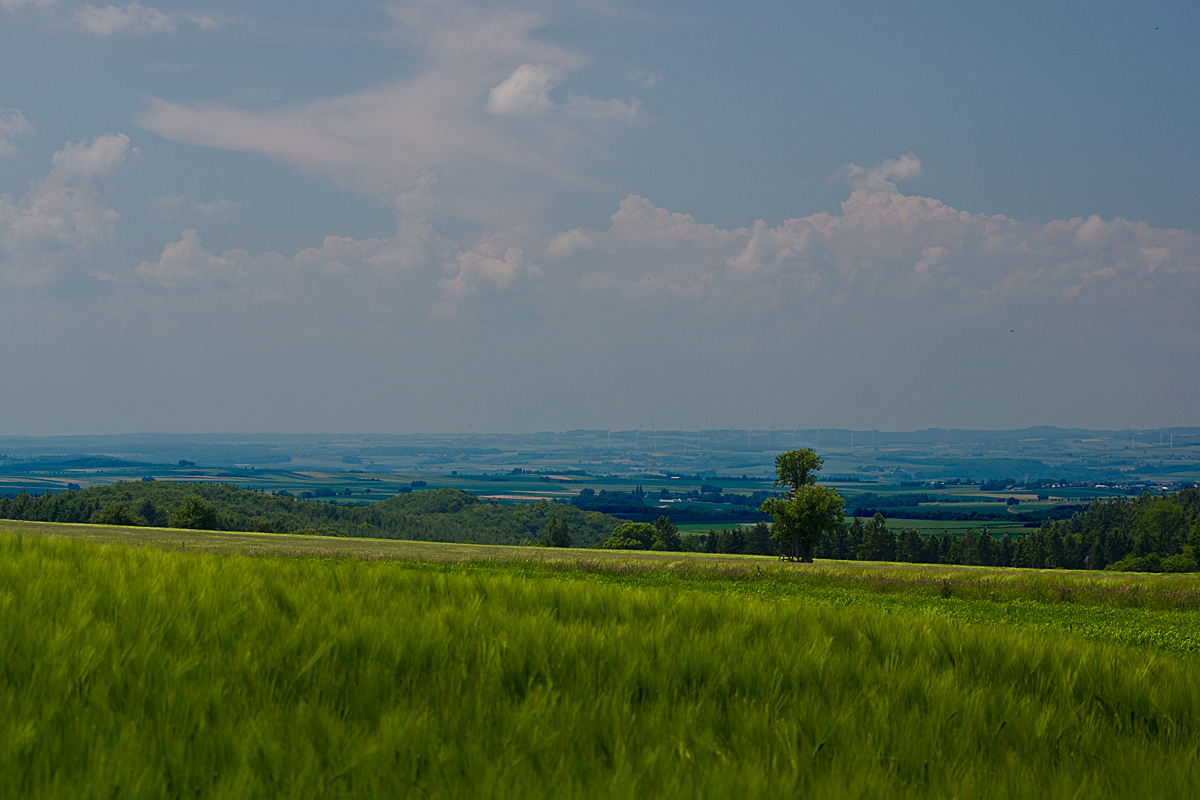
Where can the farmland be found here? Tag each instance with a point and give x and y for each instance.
(202, 664)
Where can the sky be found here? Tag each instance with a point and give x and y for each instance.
(442, 215)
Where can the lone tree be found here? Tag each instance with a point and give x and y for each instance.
(807, 513)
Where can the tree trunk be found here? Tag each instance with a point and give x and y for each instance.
(806, 548)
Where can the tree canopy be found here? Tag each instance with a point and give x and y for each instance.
(809, 512)
(796, 468)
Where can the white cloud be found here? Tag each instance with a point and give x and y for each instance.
(271, 276)
(80, 161)
(63, 215)
(638, 223)
(133, 18)
(885, 246)
(904, 168)
(526, 89)
(13, 125)
(584, 107)
(499, 266)
(772, 248)
(415, 242)
(184, 261)
(568, 243)
(882, 247)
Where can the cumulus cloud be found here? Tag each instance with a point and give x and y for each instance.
(415, 242)
(184, 261)
(64, 214)
(272, 276)
(13, 125)
(881, 247)
(883, 176)
(885, 246)
(639, 223)
(793, 242)
(485, 262)
(526, 89)
(884, 253)
(568, 243)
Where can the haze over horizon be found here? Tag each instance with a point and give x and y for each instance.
(525, 216)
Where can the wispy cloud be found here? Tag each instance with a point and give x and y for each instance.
(482, 106)
(583, 107)
(17, 5)
(643, 77)
(133, 19)
(13, 125)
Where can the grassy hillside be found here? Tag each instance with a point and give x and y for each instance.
(138, 672)
(438, 515)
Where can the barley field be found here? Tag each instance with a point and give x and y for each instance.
(169, 672)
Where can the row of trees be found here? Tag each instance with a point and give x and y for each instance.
(439, 515)
(1148, 533)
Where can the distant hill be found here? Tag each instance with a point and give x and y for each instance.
(437, 515)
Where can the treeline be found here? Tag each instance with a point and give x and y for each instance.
(1147, 534)
(1032, 519)
(439, 515)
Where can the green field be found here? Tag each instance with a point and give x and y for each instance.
(199, 665)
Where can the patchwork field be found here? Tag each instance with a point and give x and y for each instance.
(199, 665)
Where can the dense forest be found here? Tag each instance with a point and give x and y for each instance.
(1149, 533)
(438, 515)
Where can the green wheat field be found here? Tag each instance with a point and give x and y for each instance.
(285, 669)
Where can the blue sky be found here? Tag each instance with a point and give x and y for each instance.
(529, 216)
